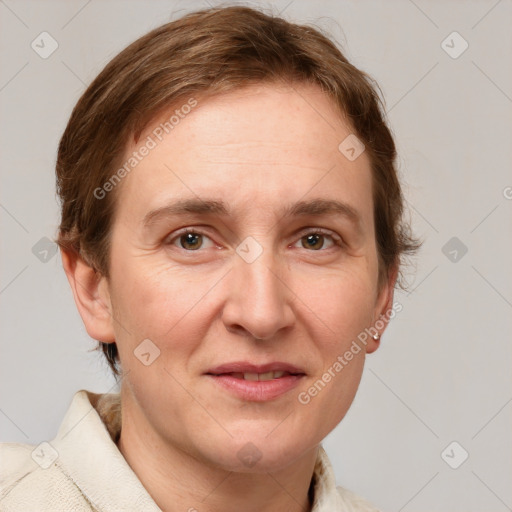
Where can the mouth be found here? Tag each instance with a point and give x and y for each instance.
(256, 376)
(257, 383)
(274, 369)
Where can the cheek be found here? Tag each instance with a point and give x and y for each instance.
(165, 303)
(342, 301)
(342, 306)
(150, 298)
(154, 303)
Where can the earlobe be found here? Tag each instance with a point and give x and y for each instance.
(383, 311)
(91, 294)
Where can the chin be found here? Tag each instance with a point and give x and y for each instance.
(259, 454)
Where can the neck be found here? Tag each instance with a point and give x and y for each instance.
(178, 481)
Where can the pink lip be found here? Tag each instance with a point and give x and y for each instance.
(257, 391)
(246, 367)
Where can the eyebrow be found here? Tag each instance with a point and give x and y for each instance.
(215, 207)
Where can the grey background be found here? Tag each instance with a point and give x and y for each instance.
(442, 373)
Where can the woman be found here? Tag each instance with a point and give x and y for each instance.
(232, 233)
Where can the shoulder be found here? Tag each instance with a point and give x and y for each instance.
(353, 503)
(15, 463)
(29, 485)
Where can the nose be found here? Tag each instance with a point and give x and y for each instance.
(259, 300)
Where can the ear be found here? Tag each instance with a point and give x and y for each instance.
(383, 310)
(92, 297)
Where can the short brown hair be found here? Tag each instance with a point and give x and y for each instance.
(202, 54)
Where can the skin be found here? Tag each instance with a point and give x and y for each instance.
(257, 149)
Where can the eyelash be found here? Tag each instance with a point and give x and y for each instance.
(337, 241)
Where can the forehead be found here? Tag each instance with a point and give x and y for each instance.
(266, 142)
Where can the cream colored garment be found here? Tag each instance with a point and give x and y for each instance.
(83, 470)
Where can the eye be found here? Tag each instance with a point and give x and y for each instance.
(317, 239)
(190, 240)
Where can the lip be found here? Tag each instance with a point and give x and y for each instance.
(256, 391)
(246, 367)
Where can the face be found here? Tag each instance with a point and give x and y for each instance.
(244, 237)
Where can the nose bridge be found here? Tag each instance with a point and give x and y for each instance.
(260, 276)
(258, 298)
